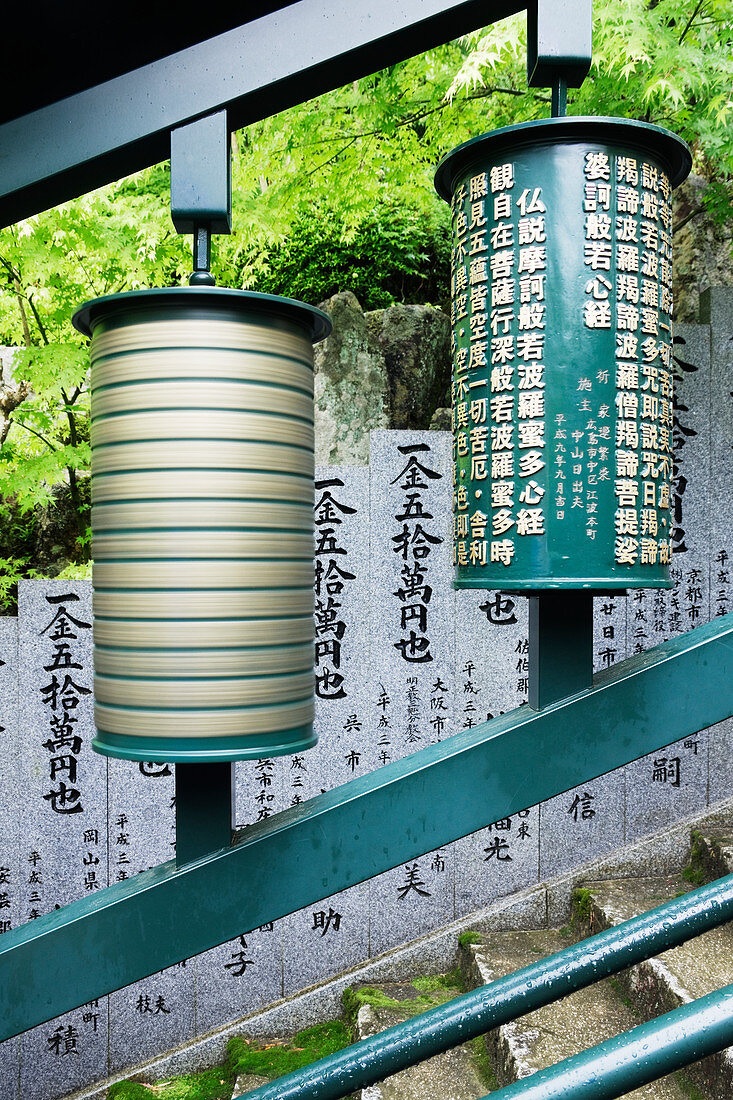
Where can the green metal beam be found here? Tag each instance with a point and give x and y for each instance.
(284, 57)
(499, 1002)
(349, 834)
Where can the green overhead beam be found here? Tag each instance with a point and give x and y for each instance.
(349, 834)
(285, 57)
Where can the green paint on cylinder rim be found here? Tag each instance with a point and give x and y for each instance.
(605, 130)
(200, 303)
(205, 750)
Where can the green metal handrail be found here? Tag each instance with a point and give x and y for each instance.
(492, 1005)
(628, 1061)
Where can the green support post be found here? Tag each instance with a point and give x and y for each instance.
(204, 809)
(560, 646)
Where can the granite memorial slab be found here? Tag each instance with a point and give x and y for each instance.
(63, 809)
(9, 831)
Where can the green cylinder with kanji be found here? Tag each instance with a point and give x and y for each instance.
(562, 353)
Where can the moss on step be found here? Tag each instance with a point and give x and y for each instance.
(210, 1084)
(581, 907)
(687, 1087)
(466, 938)
(243, 1056)
(620, 991)
(432, 990)
(278, 1058)
(436, 983)
(695, 871)
(482, 1062)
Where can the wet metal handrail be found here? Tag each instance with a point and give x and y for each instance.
(628, 1061)
(492, 1005)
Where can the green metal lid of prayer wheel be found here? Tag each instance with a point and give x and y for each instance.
(562, 352)
(202, 521)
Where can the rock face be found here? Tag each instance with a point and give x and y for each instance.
(701, 247)
(386, 369)
(415, 343)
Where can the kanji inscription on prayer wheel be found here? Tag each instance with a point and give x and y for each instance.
(562, 353)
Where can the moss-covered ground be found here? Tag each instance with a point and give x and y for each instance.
(272, 1059)
(276, 1058)
(210, 1084)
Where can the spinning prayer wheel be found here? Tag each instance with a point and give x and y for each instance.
(562, 349)
(202, 520)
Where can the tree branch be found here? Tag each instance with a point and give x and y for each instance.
(39, 322)
(691, 20)
(38, 435)
(688, 218)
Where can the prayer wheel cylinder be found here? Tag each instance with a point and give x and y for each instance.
(562, 351)
(202, 521)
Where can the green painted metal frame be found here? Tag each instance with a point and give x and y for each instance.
(282, 58)
(339, 838)
(499, 1002)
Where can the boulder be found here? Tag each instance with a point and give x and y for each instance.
(701, 249)
(389, 368)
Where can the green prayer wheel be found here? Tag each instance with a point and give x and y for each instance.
(202, 523)
(561, 309)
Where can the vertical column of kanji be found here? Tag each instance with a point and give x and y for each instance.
(9, 823)
(609, 647)
(717, 310)
(240, 976)
(587, 821)
(333, 934)
(673, 782)
(491, 677)
(157, 1013)
(498, 317)
(605, 306)
(412, 623)
(63, 797)
(244, 974)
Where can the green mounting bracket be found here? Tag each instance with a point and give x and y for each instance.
(201, 186)
(204, 809)
(559, 47)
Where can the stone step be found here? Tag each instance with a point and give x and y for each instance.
(715, 852)
(559, 1030)
(675, 977)
(246, 1082)
(453, 1075)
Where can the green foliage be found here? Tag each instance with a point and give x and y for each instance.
(278, 1059)
(396, 254)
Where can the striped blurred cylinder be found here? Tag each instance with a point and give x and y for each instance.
(202, 519)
